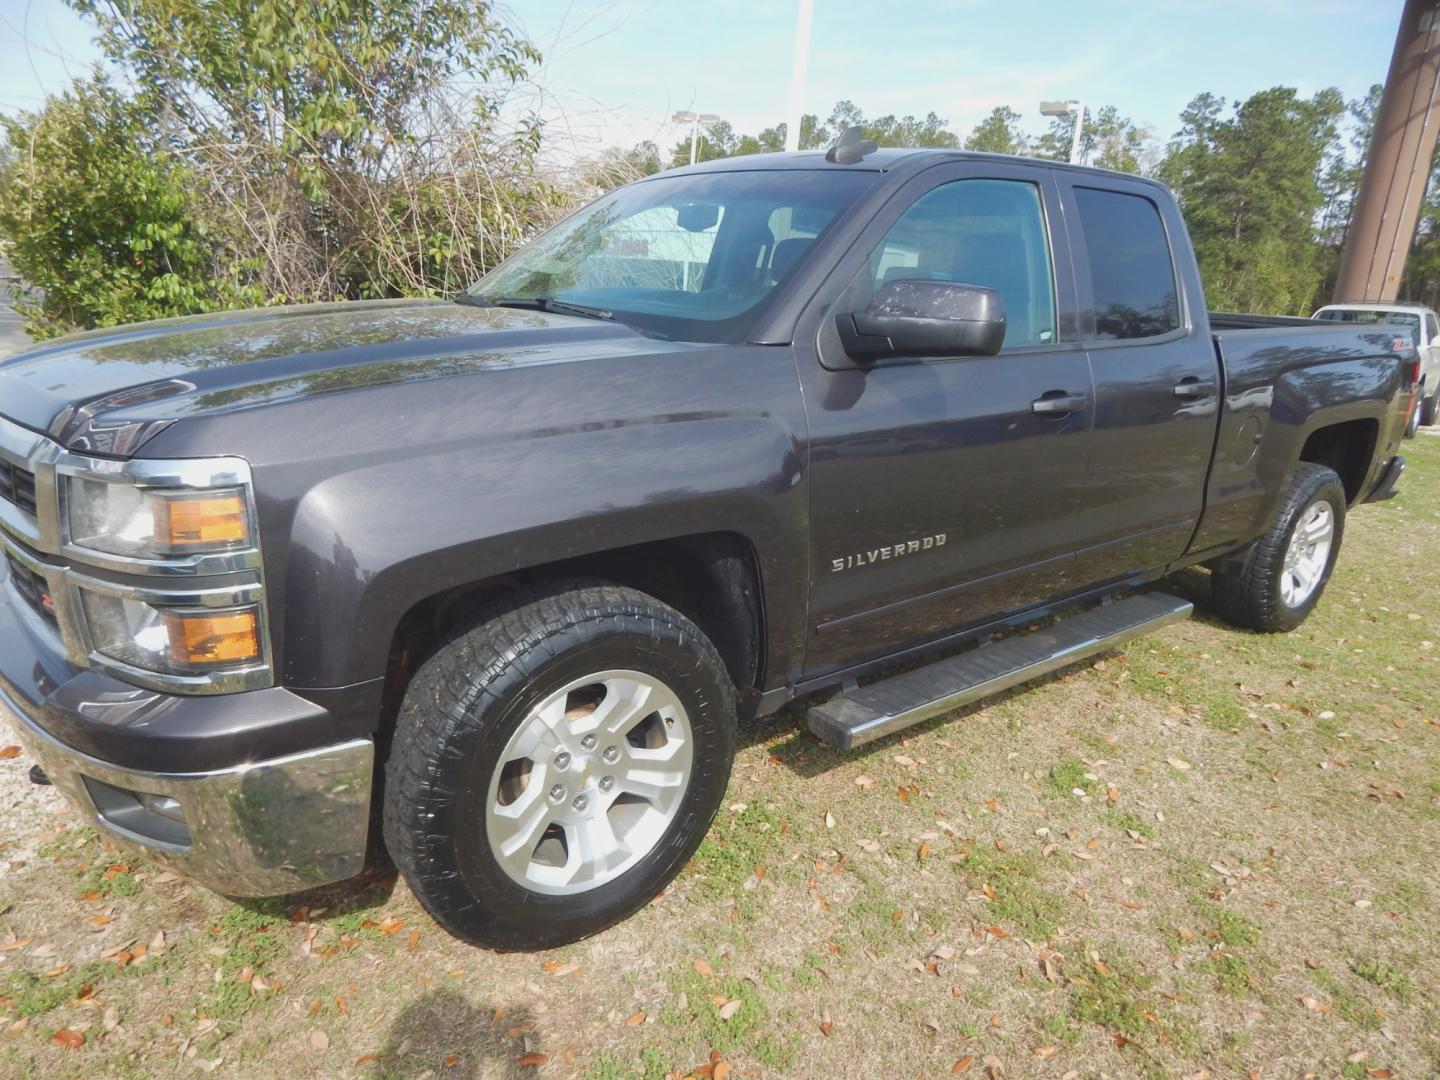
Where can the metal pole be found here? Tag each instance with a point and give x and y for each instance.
(694, 134)
(1397, 165)
(795, 115)
(1075, 134)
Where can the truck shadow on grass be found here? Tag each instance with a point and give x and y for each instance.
(440, 1033)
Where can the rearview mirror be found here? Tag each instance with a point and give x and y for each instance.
(697, 217)
(925, 318)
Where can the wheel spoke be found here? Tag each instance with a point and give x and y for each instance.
(597, 848)
(648, 782)
(515, 846)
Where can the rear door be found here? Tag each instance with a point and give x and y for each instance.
(1157, 378)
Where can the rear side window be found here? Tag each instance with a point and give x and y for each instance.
(1130, 267)
(1432, 331)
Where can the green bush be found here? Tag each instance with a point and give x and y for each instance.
(100, 221)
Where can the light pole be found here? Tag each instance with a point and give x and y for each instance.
(694, 119)
(1068, 108)
(803, 12)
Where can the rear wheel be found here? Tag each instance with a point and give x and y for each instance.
(1277, 581)
(1412, 425)
(1429, 408)
(554, 767)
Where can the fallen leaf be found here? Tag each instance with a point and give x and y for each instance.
(532, 1059)
(904, 793)
(1314, 1004)
(413, 940)
(963, 1065)
(997, 931)
(319, 1040)
(449, 1061)
(367, 1059)
(864, 783)
(720, 1070)
(635, 1019)
(829, 820)
(702, 968)
(68, 1038)
(729, 1009)
(18, 1026)
(9, 752)
(1179, 763)
(923, 853)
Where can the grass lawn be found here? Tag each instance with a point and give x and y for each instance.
(1210, 854)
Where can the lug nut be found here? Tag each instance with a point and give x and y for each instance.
(588, 742)
(606, 783)
(557, 793)
(580, 802)
(562, 760)
(612, 754)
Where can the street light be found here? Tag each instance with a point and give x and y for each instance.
(694, 119)
(1068, 108)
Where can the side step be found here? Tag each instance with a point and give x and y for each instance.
(873, 711)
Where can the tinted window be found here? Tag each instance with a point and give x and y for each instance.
(1432, 331)
(1130, 267)
(982, 232)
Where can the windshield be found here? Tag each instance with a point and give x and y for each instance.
(1408, 319)
(688, 258)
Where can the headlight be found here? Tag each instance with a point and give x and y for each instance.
(154, 523)
(175, 641)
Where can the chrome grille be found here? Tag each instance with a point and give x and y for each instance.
(17, 486)
(33, 588)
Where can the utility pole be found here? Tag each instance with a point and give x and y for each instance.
(1397, 165)
(803, 11)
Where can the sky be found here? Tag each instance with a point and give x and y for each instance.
(615, 70)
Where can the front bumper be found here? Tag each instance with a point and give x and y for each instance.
(271, 819)
(262, 829)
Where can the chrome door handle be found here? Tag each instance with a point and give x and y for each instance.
(1058, 403)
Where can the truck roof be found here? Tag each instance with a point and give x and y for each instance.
(885, 159)
(1360, 306)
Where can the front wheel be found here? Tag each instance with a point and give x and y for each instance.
(1277, 581)
(554, 767)
(1429, 408)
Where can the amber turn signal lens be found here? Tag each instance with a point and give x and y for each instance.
(224, 638)
(202, 521)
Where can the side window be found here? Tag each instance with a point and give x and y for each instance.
(1130, 267)
(1432, 330)
(981, 232)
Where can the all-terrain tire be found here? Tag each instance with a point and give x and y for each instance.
(470, 698)
(1246, 588)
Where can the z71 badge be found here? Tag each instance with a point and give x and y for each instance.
(889, 551)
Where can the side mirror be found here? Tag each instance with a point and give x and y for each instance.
(925, 318)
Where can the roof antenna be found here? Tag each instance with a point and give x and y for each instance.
(850, 148)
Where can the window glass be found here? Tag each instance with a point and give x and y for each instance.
(1130, 267)
(689, 258)
(981, 232)
(1432, 331)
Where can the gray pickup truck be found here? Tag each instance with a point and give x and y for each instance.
(496, 579)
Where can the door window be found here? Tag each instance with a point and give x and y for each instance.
(981, 232)
(1130, 266)
(1432, 331)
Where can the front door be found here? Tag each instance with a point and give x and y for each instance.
(940, 494)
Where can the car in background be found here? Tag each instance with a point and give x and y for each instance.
(1424, 328)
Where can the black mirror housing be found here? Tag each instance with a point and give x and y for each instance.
(925, 318)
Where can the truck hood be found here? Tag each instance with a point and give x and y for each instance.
(108, 391)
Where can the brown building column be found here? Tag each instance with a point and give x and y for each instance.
(1398, 164)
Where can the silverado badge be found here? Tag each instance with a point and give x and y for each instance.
(889, 551)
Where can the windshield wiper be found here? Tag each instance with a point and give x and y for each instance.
(538, 303)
